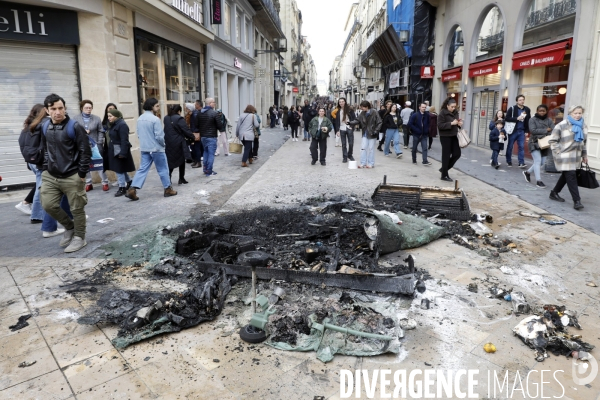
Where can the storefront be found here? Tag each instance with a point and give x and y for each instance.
(166, 71)
(543, 76)
(38, 48)
(486, 77)
(452, 80)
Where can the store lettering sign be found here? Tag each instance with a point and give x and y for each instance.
(451, 77)
(487, 70)
(192, 12)
(38, 24)
(540, 60)
(216, 12)
(427, 71)
(237, 63)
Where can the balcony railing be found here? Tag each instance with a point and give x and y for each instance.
(269, 7)
(551, 13)
(491, 42)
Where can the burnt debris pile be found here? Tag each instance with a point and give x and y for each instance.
(144, 314)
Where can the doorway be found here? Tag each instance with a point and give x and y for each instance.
(485, 104)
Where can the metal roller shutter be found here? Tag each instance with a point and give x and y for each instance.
(28, 73)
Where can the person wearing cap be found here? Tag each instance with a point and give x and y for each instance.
(117, 154)
(405, 116)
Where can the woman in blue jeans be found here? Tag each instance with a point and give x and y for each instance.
(540, 126)
(391, 123)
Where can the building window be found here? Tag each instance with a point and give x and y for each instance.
(456, 50)
(238, 28)
(549, 21)
(488, 80)
(491, 36)
(227, 20)
(248, 34)
(217, 88)
(167, 73)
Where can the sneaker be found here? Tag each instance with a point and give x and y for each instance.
(105, 187)
(345, 160)
(313, 162)
(577, 205)
(76, 244)
(497, 166)
(212, 173)
(131, 194)
(386, 155)
(89, 187)
(540, 184)
(67, 237)
(57, 232)
(414, 162)
(522, 165)
(527, 176)
(120, 192)
(399, 155)
(323, 163)
(406, 147)
(350, 158)
(509, 164)
(170, 192)
(426, 163)
(24, 208)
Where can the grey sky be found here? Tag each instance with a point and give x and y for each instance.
(323, 24)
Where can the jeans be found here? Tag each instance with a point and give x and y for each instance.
(49, 224)
(123, 178)
(222, 141)
(273, 120)
(519, 137)
(322, 146)
(306, 132)
(210, 146)
(495, 157)
(423, 141)
(367, 151)
(450, 153)
(160, 161)
(37, 212)
(406, 134)
(570, 179)
(392, 134)
(197, 151)
(247, 150)
(88, 177)
(54, 190)
(347, 136)
(538, 161)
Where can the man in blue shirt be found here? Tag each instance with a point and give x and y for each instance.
(520, 115)
(152, 146)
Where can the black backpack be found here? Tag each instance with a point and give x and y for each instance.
(31, 146)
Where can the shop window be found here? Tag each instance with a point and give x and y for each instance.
(456, 49)
(453, 90)
(166, 73)
(491, 36)
(549, 21)
(488, 80)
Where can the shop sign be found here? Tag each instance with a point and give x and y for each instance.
(485, 70)
(427, 71)
(545, 59)
(295, 89)
(394, 79)
(193, 12)
(38, 24)
(237, 63)
(483, 113)
(216, 12)
(277, 73)
(452, 75)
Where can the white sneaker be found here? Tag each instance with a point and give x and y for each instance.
(24, 208)
(57, 232)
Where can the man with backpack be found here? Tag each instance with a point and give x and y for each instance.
(67, 157)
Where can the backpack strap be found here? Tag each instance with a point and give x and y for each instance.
(70, 128)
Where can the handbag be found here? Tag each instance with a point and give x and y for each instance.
(544, 143)
(463, 138)
(586, 178)
(236, 146)
(254, 129)
(509, 127)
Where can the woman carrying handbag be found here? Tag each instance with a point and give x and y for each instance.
(540, 126)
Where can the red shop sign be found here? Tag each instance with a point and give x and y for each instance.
(453, 74)
(295, 90)
(427, 71)
(547, 55)
(483, 113)
(486, 67)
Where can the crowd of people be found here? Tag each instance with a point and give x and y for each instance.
(60, 148)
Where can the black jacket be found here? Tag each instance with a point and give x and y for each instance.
(511, 116)
(381, 115)
(208, 124)
(308, 114)
(445, 118)
(64, 156)
(388, 122)
(176, 148)
(31, 146)
(122, 162)
(372, 123)
(336, 121)
(495, 139)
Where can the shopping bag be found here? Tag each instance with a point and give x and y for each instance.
(544, 143)
(463, 138)
(236, 146)
(586, 178)
(509, 127)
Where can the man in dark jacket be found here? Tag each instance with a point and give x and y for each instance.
(384, 110)
(418, 124)
(520, 115)
(209, 124)
(67, 157)
(196, 148)
(308, 113)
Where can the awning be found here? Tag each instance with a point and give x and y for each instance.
(546, 55)
(486, 67)
(387, 47)
(454, 74)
